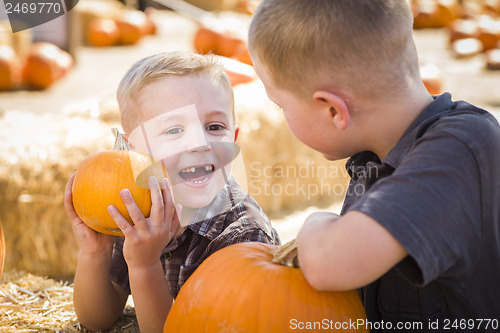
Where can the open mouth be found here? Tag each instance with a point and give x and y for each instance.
(197, 174)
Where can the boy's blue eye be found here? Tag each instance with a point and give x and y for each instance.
(215, 127)
(173, 131)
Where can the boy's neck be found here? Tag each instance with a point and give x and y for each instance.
(390, 121)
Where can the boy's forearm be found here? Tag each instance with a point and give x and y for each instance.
(151, 295)
(348, 252)
(97, 303)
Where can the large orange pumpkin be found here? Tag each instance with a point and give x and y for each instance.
(101, 177)
(240, 289)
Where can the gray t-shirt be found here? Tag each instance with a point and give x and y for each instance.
(438, 193)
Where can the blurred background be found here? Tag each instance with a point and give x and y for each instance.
(57, 105)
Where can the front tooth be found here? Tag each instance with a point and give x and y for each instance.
(193, 169)
(208, 167)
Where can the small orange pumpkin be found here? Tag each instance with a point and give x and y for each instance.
(240, 289)
(101, 177)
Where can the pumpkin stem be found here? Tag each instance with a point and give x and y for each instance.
(120, 143)
(286, 255)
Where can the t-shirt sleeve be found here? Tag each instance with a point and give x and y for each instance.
(431, 205)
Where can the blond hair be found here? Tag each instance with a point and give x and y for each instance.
(155, 67)
(364, 45)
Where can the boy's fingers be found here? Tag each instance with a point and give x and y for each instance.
(120, 221)
(68, 206)
(133, 210)
(69, 184)
(157, 207)
(68, 199)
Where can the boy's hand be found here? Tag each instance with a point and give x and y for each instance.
(90, 241)
(145, 241)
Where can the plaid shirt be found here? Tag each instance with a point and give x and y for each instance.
(232, 217)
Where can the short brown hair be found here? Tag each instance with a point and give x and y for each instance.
(360, 45)
(155, 67)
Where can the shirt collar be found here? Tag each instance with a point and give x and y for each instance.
(209, 221)
(441, 104)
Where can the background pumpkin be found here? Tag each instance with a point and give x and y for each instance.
(46, 63)
(133, 25)
(9, 68)
(205, 40)
(101, 177)
(103, 32)
(240, 289)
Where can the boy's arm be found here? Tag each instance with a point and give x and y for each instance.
(152, 297)
(347, 252)
(142, 248)
(98, 301)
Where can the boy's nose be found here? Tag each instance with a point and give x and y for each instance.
(197, 142)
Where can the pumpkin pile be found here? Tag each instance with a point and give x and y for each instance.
(101, 177)
(230, 47)
(254, 287)
(124, 27)
(473, 26)
(44, 64)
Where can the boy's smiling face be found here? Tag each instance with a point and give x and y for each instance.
(188, 124)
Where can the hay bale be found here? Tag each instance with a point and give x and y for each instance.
(30, 303)
(38, 155)
(282, 173)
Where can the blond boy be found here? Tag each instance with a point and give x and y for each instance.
(178, 107)
(421, 240)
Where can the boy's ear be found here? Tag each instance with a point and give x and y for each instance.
(236, 132)
(337, 108)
